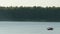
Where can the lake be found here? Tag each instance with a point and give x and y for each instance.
(10, 27)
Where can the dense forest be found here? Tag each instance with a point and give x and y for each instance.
(30, 13)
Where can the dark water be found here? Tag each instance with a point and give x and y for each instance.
(7, 27)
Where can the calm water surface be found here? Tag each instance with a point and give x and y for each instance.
(7, 27)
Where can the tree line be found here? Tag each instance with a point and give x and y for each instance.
(30, 13)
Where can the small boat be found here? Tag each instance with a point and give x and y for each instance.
(50, 28)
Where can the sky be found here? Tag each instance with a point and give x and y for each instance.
(43, 3)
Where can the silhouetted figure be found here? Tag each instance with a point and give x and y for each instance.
(49, 28)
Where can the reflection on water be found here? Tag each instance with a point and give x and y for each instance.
(29, 27)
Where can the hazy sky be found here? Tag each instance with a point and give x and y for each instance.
(30, 3)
